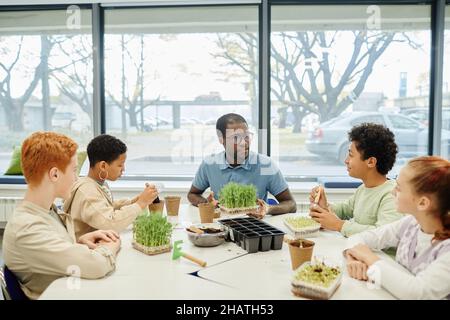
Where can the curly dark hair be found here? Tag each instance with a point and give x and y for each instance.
(105, 148)
(375, 140)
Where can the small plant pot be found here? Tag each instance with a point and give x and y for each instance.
(172, 205)
(251, 242)
(216, 213)
(238, 234)
(156, 207)
(301, 251)
(151, 250)
(277, 240)
(206, 212)
(266, 240)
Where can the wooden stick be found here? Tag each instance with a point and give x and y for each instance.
(193, 259)
(196, 230)
(317, 198)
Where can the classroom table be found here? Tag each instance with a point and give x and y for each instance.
(231, 273)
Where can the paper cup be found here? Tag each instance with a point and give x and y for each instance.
(156, 207)
(206, 212)
(172, 205)
(300, 254)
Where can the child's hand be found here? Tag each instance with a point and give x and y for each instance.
(322, 197)
(357, 269)
(147, 196)
(363, 253)
(327, 218)
(114, 246)
(91, 239)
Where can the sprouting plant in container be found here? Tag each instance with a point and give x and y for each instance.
(152, 233)
(316, 280)
(238, 198)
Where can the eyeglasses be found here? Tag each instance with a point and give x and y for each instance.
(238, 138)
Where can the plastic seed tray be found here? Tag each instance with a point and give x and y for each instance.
(253, 235)
(314, 291)
(311, 228)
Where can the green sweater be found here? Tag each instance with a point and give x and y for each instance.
(367, 209)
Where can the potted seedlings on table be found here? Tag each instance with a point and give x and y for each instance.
(316, 280)
(152, 234)
(236, 198)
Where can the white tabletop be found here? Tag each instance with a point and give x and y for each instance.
(231, 273)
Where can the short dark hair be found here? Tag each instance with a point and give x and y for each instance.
(229, 118)
(375, 140)
(105, 148)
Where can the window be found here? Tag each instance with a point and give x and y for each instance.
(331, 60)
(445, 146)
(170, 73)
(45, 76)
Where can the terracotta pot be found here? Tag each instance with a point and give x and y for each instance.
(301, 251)
(206, 212)
(172, 205)
(156, 207)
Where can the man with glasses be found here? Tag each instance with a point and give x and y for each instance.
(238, 164)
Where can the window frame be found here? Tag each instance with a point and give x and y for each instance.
(437, 29)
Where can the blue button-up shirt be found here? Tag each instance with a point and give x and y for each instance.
(258, 169)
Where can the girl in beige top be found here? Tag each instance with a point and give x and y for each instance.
(39, 244)
(91, 204)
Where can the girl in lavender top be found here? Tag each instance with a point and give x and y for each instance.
(422, 238)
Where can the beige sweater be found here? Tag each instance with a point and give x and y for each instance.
(40, 248)
(92, 209)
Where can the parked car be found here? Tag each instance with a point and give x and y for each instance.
(151, 123)
(422, 115)
(212, 96)
(330, 139)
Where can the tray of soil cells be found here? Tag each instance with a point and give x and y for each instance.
(252, 234)
(207, 234)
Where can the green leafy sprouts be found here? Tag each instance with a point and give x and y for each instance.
(152, 230)
(234, 195)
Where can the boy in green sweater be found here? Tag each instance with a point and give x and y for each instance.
(371, 156)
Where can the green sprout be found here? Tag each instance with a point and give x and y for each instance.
(152, 230)
(234, 195)
(301, 222)
(318, 274)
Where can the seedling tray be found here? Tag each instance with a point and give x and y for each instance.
(302, 232)
(314, 291)
(252, 234)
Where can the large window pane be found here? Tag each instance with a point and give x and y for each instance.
(336, 66)
(445, 147)
(170, 73)
(45, 76)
